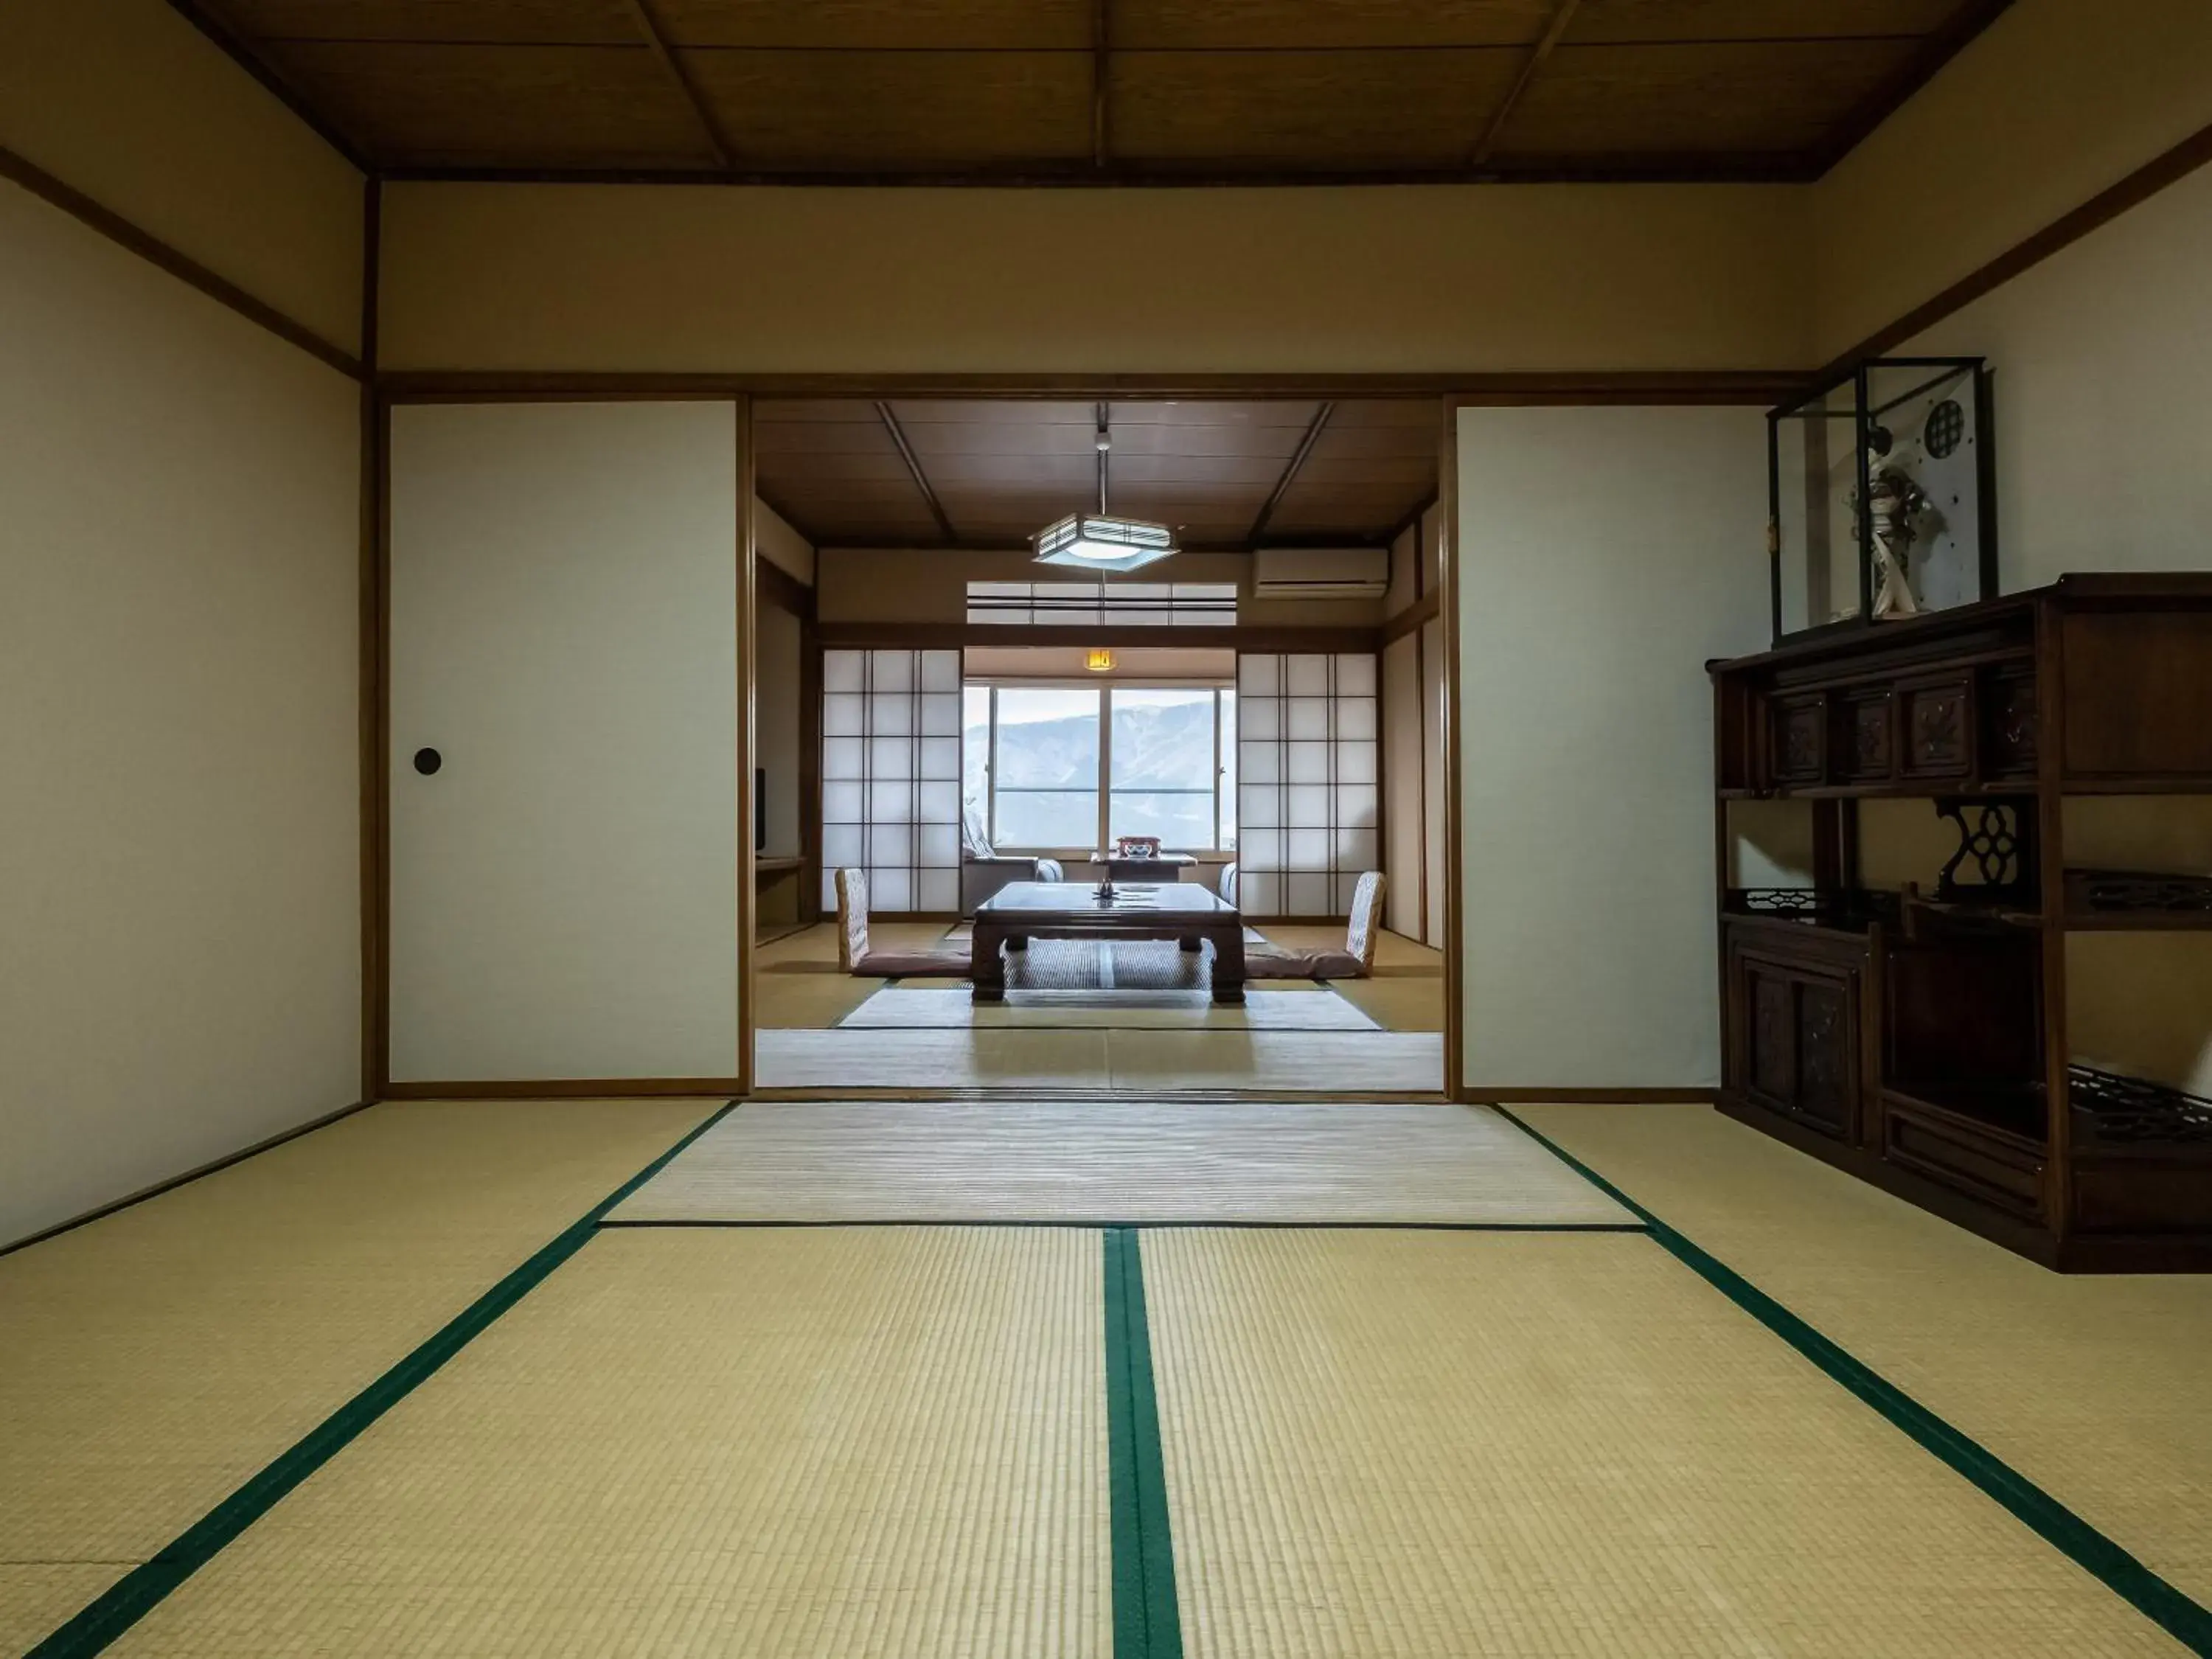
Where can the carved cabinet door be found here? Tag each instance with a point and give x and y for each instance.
(1796, 1042)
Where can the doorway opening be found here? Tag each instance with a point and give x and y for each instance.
(1021, 827)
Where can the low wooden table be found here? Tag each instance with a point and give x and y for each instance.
(1182, 911)
(1167, 866)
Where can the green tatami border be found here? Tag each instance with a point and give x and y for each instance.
(2188, 1621)
(132, 1597)
(1147, 1622)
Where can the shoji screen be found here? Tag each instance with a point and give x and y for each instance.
(1306, 741)
(891, 776)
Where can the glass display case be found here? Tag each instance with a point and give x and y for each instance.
(1882, 502)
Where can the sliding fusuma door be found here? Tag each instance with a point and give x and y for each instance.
(564, 738)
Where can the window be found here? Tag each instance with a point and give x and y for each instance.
(1044, 768)
(1137, 604)
(890, 765)
(1067, 768)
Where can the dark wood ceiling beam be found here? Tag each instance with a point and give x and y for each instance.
(1553, 30)
(920, 478)
(711, 128)
(1290, 471)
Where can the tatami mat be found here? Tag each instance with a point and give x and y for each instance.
(826, 1444)
(808, 995)
(2093, 1387)
(1117, 1161)
(899, 1007)
(1342, 1062)
(1145, 1061)
(35, 1601)
(1553, 1444)
(154, 1360)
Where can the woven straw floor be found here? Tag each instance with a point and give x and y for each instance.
(1547, 1444)
(154, 1360)
(34, 1599)
(830, 1444)
(1125, 1010)
(1116, 1161)
(1146, 1061)
(2093, 1387)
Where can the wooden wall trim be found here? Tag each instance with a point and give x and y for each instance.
(778, 587)
(953, 636)
(1693, 386)
(266, 1143)
(1487, 1095)
(1423, 610)
(2169, 168)
(186, 269)
(373, 621)
(617, 1088)
(749, 567)
(1447, 597)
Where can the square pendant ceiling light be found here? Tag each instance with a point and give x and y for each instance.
(1091, 541)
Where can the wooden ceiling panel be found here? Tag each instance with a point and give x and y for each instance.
(852, 110)
(1744, 99)
(562, 22)
(1421, 415)
(1296, 413)
(927, 90)
(1266, 25)
(793, 411)
(413, 105)
(1013, 413)
(938, 25)
(1675, 20)
(1324, 110)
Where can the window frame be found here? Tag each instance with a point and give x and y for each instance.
(1103, 785)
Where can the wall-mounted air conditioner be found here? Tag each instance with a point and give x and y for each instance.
(1320, 572)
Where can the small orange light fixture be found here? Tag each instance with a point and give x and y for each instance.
(1099, 661)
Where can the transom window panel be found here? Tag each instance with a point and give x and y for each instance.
(1307, 743)
(1132, 605)
(890, 775)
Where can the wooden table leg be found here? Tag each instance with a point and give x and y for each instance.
(1189, 942)
(986, 971)
(1228, 961)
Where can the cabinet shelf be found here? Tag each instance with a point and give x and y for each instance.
(1912, 1038)
(2138, 901)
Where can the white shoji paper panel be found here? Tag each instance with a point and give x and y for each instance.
(890, 775)
(1307, 805)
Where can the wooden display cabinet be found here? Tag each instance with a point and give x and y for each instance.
(1919, 1039)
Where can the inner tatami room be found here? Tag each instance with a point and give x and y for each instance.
(512, 510)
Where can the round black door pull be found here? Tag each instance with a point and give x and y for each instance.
(428, 761)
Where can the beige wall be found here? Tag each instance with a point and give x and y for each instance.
(2057, 100)
(564, 632)
(178, 556)
(886, 281)
(774, 540)
(1606, 554)
(2102, 356)
(126, 101)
